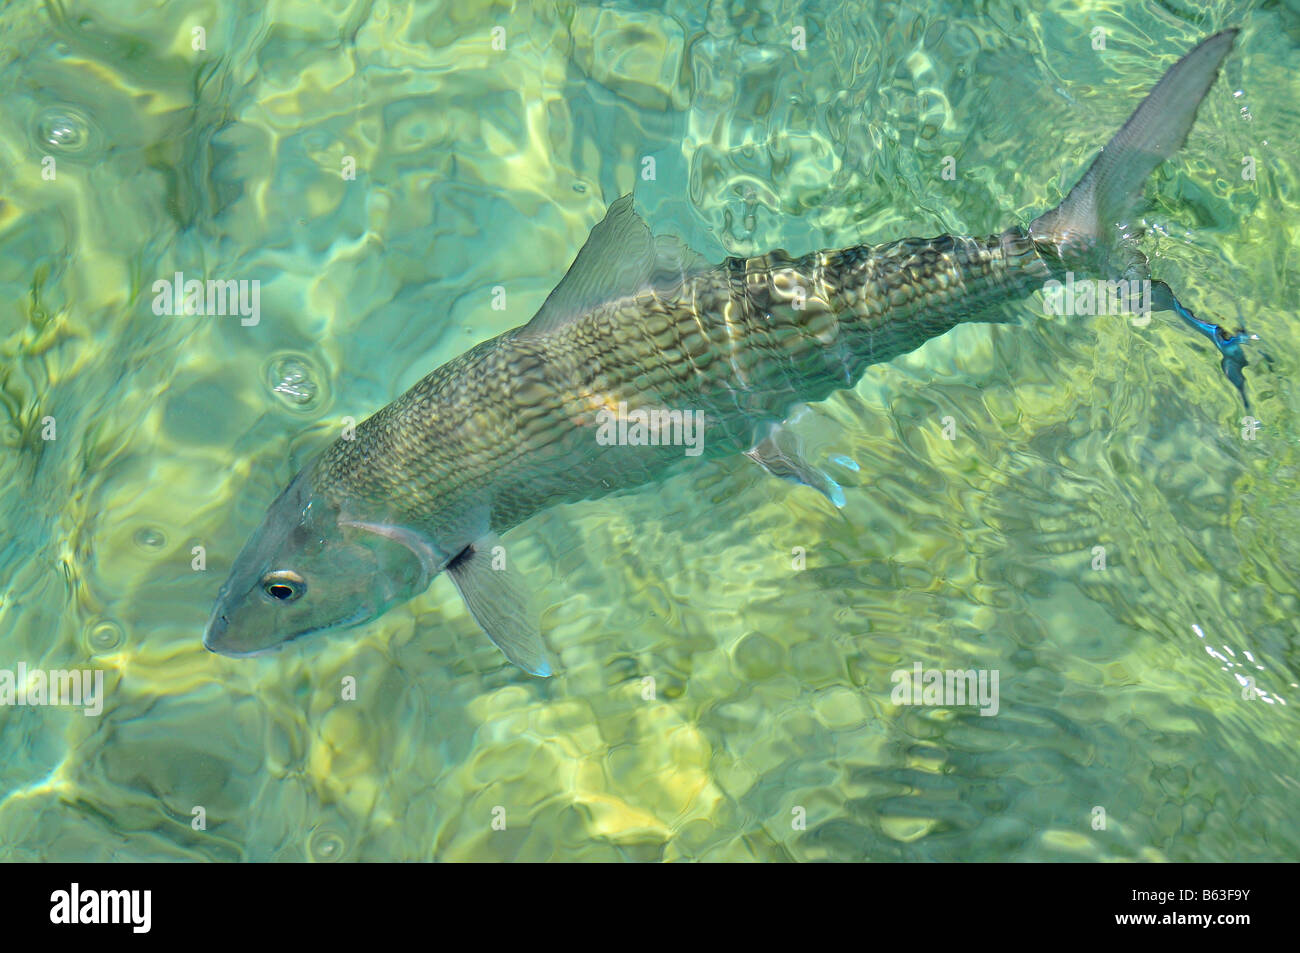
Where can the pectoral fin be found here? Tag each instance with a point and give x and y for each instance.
(501, 604)
(780, 454)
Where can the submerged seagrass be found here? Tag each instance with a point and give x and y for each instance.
(511, 426)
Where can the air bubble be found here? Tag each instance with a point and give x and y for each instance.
(150, 538)
(326, 847)
(293, 379)
(104, 635)
(64, 131)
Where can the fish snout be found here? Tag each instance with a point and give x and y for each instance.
(215, 632)
(219, 638)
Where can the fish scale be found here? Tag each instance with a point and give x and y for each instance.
(504, 418)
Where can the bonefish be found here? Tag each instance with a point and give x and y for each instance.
(640, 329)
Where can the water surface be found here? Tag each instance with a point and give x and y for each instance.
(767, 732)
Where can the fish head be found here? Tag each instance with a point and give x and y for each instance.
(309, 568)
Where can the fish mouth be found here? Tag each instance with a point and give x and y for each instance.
(218, 627)
(214, 635)
(219, 624)
(231, 653)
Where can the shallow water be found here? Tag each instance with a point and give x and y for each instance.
(767, 730)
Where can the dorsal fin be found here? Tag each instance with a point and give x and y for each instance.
(620, 258)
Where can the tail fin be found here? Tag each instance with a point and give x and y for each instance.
(1111, 186)
(1083, 224)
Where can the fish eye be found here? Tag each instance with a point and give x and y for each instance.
(284, 585)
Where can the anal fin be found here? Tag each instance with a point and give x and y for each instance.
(501, 604)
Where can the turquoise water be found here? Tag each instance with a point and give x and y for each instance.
(767, 623)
